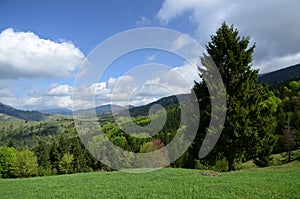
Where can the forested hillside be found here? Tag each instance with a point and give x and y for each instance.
(260, 121)
(25, 115)
(284, 75)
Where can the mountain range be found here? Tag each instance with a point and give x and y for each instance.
(272, 78)
(283, 75)
(25, 115)
(100, 110)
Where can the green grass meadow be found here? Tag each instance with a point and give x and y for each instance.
(272, 182)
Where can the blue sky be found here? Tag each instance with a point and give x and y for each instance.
(43, 43)
(85, 23)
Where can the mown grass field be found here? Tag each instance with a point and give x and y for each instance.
(273, 182)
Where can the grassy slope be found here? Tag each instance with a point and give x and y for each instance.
(273, 182)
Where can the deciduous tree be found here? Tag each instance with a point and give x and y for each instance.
(8, 157)
(26, 164)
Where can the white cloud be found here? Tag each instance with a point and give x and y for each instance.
(45, 102)
(180, 42)
(128, 90)
(116, 90)
(143, 21)
(278, 63)
(172, 9)
(24, 54)
(179, 80)
(4, 92)
(60, 90)
(272, 24)
(123, 90)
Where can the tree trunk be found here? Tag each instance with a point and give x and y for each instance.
(231, 166)
(289, 156)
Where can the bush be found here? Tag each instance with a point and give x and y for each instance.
(26, 164)
(8, 157)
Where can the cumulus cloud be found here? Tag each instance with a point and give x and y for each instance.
(45, 102)
(186, 47)
(26, 55)
(123, 90)
(175, 81)
(272, 24)
(180, 42)
(131, 90)
(141, 86)
(60, 90)
(278, 62)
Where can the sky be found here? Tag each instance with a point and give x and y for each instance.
(43, 45)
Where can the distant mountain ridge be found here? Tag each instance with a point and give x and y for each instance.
(272, 78)
(59, 111)
(135, 111)
(25, 115)
(164, 102)
(282, 75)
(100, 110)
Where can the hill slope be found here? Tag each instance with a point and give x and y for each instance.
(59, 111)
(100, 110)
(25, 115)
(282, 75)
(165, 102)
(136, 111)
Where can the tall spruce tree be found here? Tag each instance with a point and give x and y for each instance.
(43, 157)
(249, 122)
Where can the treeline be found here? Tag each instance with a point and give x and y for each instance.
(64, 153)
(288, 118)
(24, 133)
(283, 75)
(55, 152)
(54, 155)
(259, 122)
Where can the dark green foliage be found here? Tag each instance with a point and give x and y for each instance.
(288, 118)
(54, 156)
(48, 129)
(295, 123)
(204, 102)
(283, 75)
(10, 143)
(165, 102)
(249, 119)
(81, 159)
(288, 138)
(24, 134)
(43, 157)
(63, 144)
